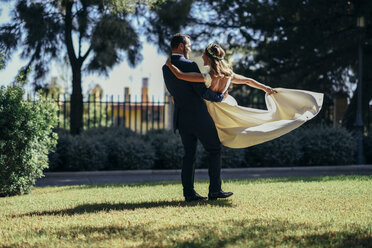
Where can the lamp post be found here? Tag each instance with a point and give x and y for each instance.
(359, 119)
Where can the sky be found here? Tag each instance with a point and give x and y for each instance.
(119, 77)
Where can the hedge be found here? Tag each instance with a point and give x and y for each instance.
(120, 148)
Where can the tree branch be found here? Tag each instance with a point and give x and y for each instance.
(68, 33)
(86, 54)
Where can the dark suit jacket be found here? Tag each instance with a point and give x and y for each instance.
(188, 95)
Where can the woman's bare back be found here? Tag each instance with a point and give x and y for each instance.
(218, 84)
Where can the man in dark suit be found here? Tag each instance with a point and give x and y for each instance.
(193, 121)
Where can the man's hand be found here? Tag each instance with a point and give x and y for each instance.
(169, 62)
(225, 94)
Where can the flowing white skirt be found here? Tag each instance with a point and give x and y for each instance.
(240, 127)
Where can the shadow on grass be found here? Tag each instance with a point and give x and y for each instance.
(98, 207)
(236, 233)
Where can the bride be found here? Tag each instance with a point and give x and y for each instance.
(239, 126)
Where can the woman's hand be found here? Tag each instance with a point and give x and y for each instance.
(269, 90)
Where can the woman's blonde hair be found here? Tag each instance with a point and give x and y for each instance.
(219, 67)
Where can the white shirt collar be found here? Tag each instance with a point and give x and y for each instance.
(177, 54)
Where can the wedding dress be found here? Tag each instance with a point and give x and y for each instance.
(240, 127)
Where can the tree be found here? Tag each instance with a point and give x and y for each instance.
(96, 34)
(306, 44)
(1, 61)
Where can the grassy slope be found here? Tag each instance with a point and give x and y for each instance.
(302, 212)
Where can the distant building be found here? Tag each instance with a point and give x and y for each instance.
(139, 116)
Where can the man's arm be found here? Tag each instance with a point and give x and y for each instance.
(203, 91)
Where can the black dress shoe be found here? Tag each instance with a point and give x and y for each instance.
(195, 197)
(219, 194)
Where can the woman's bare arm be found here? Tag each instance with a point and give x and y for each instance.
(187, 76)
(239, 79)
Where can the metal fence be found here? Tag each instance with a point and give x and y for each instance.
(140, 115)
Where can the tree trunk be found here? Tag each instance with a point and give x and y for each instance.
(76, 117)
(76, 114)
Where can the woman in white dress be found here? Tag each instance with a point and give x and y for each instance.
(239, 126)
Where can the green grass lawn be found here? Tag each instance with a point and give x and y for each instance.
(276, 212)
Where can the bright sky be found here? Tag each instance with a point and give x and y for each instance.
(119, 77)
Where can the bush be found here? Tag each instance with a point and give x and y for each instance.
(26, 137)
(60, 158)
(283, 151)
(314, 145)
(129, 154)
(168, 149)
(230, 158)
(102, 132)
(86, 153)
(78, 153)
(101, 148)
(120, 148)
(367, 142)
(323, 145)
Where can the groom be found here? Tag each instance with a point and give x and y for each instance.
(193, 121)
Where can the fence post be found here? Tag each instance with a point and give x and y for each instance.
(100, 108)
(130, 112)
(58, 111)
(112, 110)
(88, 111)
(135, 114)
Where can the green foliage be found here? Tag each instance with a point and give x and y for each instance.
(327, 146)
(121, 148)
(168, 149)
(317, 145)
(101, 148)
(129, 154)
(26, 137)
(130, 5)
(232, 158)
(2, 62)
(284, 151)
(367, 149)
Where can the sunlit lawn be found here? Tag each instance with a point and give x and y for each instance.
(294, 212)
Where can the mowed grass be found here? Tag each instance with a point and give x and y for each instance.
(275, 212)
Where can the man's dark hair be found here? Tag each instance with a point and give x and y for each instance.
(178, 39)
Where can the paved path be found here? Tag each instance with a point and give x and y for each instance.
(102, 177)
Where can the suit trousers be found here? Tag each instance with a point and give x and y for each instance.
(206, 132)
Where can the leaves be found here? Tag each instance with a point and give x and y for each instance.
(25, 139)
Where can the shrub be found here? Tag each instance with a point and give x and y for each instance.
(102, 132)
(324, 145)
(168, 149)
(283, 151)
(86, 153)
(129, 153)
(120, 148)
(25, 139)
(367, 142)
(60, 158)
(230, 158)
